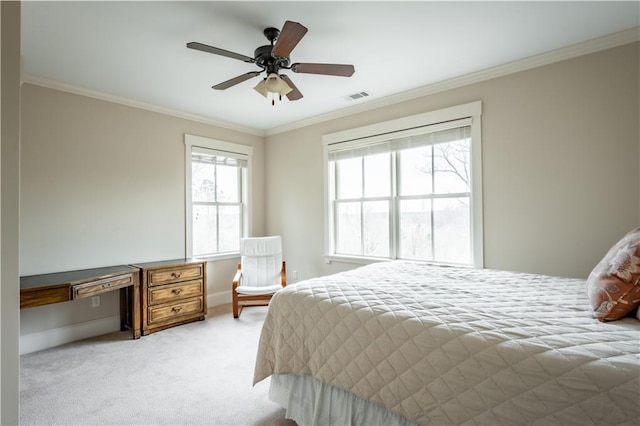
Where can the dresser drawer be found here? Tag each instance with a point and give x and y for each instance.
(180, 273)
(101, 286)
(171, 292)
(171, 311)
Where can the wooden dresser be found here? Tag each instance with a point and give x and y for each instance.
(173, 292)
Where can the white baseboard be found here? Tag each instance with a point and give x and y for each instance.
(59, 336)
(219, 298)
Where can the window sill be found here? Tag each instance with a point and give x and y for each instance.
(217, 257)
(330, 258)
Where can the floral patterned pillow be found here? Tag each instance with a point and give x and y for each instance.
(614, 284)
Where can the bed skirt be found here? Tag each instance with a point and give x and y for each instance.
(308, 401)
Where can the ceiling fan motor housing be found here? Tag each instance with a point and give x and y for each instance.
(263, 57)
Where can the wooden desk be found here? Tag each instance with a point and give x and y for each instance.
(37, 290)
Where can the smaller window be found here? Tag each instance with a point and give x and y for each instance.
(216, 196)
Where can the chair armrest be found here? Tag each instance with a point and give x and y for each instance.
(236, 279)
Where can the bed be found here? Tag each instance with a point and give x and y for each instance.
(408, 343)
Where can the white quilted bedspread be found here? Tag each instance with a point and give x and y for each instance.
(457, 345)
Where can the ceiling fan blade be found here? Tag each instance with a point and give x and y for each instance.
(291, 34)
(236, 80)
(217, 51)
(294, 94)
(340, 70)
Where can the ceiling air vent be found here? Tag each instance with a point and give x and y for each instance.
(357, 95)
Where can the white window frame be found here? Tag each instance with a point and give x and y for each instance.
(405, 126)
(221, 148)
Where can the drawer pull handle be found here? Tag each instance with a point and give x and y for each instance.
(176, 291)
(176, 274)
(176, 309)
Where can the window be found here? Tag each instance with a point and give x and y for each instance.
(411, 192)
(217, 196)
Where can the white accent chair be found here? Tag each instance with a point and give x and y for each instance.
(261, 272)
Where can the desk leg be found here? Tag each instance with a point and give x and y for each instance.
(135, 309)
(130, 309)
(124, 308)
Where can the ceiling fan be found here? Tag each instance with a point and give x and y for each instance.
(274, 57)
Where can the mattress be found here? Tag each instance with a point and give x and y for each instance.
(445, 345)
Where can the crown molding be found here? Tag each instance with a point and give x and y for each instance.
(76, 90)
(590, 46)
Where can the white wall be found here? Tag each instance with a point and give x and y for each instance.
(104, 184)
(561, 145)
(9, 209)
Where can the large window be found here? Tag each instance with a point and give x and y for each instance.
(217, 194)
(409, 193)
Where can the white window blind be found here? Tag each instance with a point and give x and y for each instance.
(206, 155)
(407, 139)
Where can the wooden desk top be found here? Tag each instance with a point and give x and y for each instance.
(73, 277)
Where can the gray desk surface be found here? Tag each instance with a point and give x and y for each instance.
(71, 277)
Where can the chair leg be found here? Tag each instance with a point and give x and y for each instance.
(236, 311)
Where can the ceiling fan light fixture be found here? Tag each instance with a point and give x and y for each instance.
(275, 84)
(261, 88)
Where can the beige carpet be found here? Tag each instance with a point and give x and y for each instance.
(194, 374)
